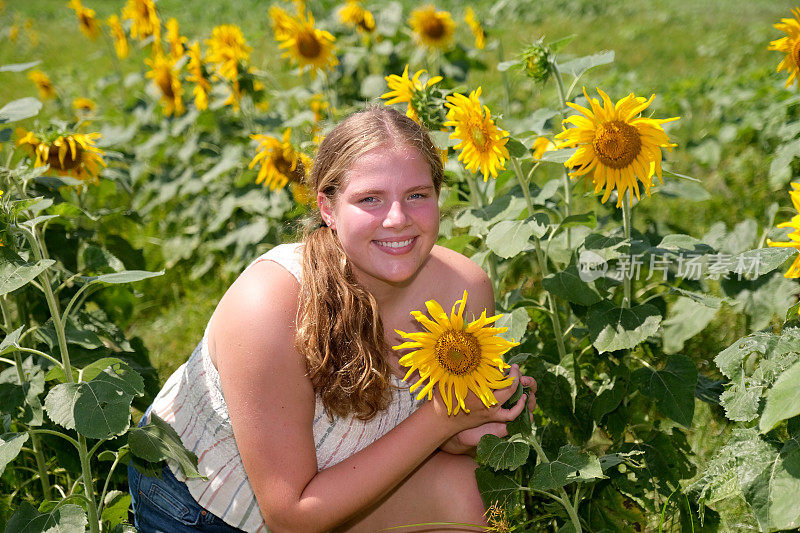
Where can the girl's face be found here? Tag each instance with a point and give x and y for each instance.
(386, 216)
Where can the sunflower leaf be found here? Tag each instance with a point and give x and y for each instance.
(578, 66)
(783, 399)
(501, 454)
(571, 465)
(20, 109)
(495, 488)
(672, 388)
(69, 518)
(615, 328)
(16, 272)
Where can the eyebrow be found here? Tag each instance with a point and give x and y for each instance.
(381, 191)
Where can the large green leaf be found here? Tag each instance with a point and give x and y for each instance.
(616, 328)
(571, 465)
(10, 446)
(672, 388)
(158, 441)
(14, 272)
(569, 286)
(510, 237)
(784, 487)
(500, 453)
(768, 345)
(686, 319)
(99, 408)
(576, 67)
(69, 518)
(495, 488)
(20, 109)
(754, 263)
(10, 342)
(517, 323)
(783, 399)
(480, 220)
(126, 276)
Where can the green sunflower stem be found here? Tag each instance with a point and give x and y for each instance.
(558, 330)
(478, 200)
(626, 226)
(562, 98)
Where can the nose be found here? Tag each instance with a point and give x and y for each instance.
(396, 216)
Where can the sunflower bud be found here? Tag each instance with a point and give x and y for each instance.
(536, 61)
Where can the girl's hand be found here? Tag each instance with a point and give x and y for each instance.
(464, 442)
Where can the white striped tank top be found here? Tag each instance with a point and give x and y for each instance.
(192, 402)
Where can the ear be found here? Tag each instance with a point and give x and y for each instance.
(326, 210)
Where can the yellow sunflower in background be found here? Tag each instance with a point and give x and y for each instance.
(166, 79)
(483, 144)
(542, 145)
(794, 223)
(144, 19)
(432, 28)
(43, 83)
(280, 162)
(86, 18)
(790, 45)
(118, 36)
(458, 357)
(226, 48)
(308, 46)
(353, 14)
(615, 144)
(68, 155)
(281, 23)
(83, 105)
(475, 26)
(198, 76)
(174, 39)
(403, 89)
(319, 106)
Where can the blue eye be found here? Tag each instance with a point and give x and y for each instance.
(418, 196)
(368, 200)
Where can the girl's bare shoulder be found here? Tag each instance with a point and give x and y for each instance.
(452, 273)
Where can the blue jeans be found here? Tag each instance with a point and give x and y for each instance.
(166, 506)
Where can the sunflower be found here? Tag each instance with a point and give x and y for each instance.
(308, 46)
(68, 155)
(353, 14)
(175, 39)
(542, 145)
(144, 19)
(166, 79)
(459, 357)
(432, 28)
(198, 76)
(790, 45)
(43, 83)
(794, 223)
(119, 37)
(615, 144)
(483, 144)
(86, 18)
(83, 105)
(475, 26)
(280, 162)
(319, 106)
(226, 48)
(408, 90)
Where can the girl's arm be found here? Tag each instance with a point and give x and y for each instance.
(271, 404)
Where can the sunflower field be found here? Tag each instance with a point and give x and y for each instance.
(627, 172)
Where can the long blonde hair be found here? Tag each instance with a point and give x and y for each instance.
(339, 329)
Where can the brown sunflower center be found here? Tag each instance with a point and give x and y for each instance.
(458, 352)
(796, 53)
(616, 143)
(69, 163)
(284, 166)
(433, 28)
(308, 45)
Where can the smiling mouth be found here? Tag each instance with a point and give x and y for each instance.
(395, 244)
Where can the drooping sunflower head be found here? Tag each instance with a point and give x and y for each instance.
(475, 26)
(86, 19)
(73, 154)
(417, 94)
(482, 143)
(226, 48)
(43, 83)
(789, 45)
(457, 356)
(353, 14)
(794, 236)
(280, 162)
(432, 28)
(309, 47)
(118, 35)
(144, 19)
(166, 79)
(615, 144)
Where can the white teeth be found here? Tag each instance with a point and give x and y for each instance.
(394, 244)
